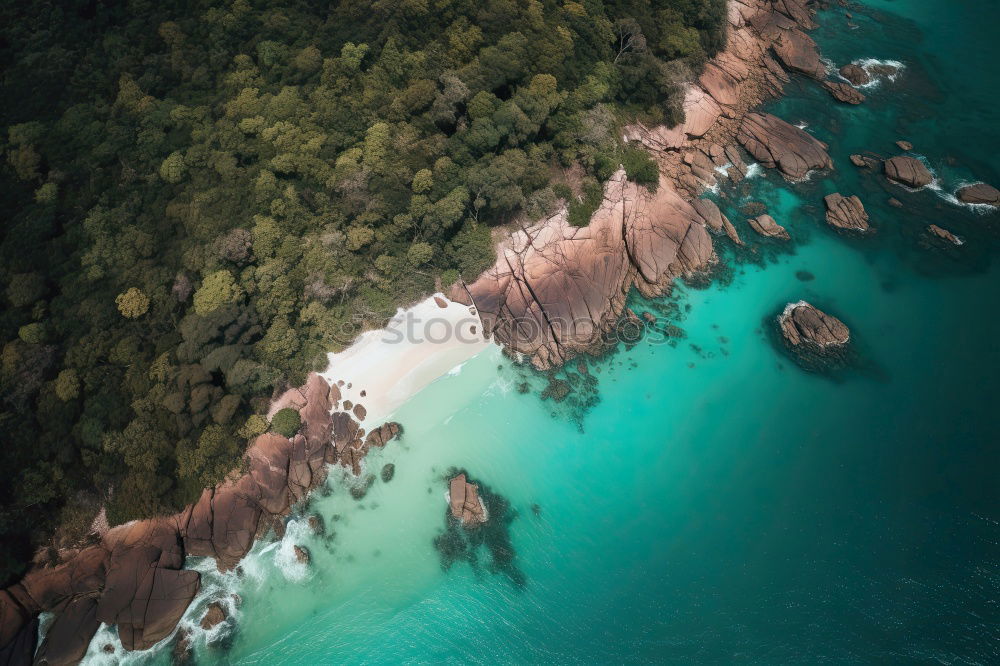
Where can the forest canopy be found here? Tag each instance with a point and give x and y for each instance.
(203, 198)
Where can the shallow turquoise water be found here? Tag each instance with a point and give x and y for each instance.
(718, 503)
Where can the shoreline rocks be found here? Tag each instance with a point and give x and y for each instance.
(844, 92)
(907, 171)
(801, 324)
(944, 234)
(980, 193)
(846, 212)
(134, 577)
(214, 616)
(777, 144)
(855, 74)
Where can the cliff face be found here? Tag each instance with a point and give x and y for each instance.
(132, 576)
(556, 289)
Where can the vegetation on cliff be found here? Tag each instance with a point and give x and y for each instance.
(203, 198)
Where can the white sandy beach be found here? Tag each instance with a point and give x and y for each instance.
(419, 345)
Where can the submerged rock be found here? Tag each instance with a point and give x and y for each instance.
(846, 212)
(907, 171)
(388, 471)
(766, 226)
(980, 193)
(944, 234)
(802, 323)
(904, 145)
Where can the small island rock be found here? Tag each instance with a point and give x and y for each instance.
(944, 234)
(302, 554)
(766, 226)
(855, 74)
(907, 171)
(803, 323)
(214, 616)
(844, 92)
(846, 212)
(466, 505)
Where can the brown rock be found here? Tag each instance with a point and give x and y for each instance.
(801, 323)
(68, 637)
(980, 193)
(556, 288)
(316, 524)
(441, 303)
(855, 74)
(843, 92)
(895, 203)
(360, 412)
(797, 52)
(465, 503)
(301, 554)
(944, 234)
(214, 616)
(907, 171)
(775, 143)
(859, 161)
(766, 226)
(846, 212)
(904, 145)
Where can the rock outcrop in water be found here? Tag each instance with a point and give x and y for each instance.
(133, 577)
(556, 290)
(907, 171)
(777, 144)
(944, 234)
(766, 226)
(465, 502)
(844, 92)
(855, 74)
(803, 324)
(846, 212)
(980, 193)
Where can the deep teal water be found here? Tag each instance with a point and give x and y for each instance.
(718, 503)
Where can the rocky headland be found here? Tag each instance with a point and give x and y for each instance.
(557, 289)
(132, 575)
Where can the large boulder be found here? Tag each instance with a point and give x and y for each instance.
(466, 505)
(802, 324)
(846, 212)
(777, 144)
(67, 639)
(766, 226)
(907, 171)
(797, 51)
(980, 193)
(855, 74)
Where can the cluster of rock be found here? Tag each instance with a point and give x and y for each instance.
(132, 576)
(556, 289)
(804, 324)
(466, 505)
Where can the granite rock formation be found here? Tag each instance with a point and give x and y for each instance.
(133, 577)
(944, 234)
(766, 226)
(777, 144)
(466, 504)
(846, 212)
(980, 193)
(907, 171)
(855, 74)
(843, 92)
(803, 324)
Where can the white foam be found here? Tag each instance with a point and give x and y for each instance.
(753, 170)
(868, 64)
(952, 198)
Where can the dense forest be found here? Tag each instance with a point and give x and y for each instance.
(203, 198)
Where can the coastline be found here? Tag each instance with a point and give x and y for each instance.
(662, 236)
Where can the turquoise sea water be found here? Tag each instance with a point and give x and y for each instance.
(718, 503)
